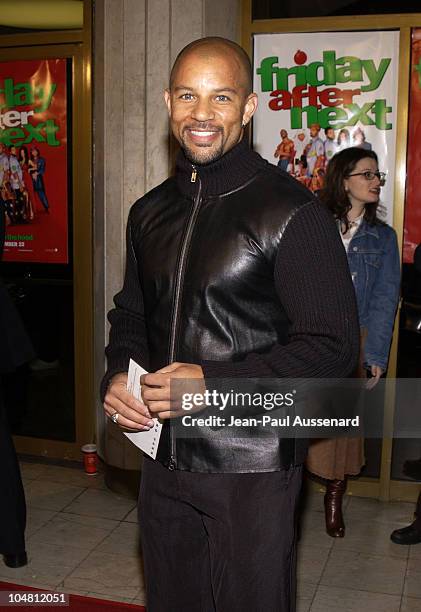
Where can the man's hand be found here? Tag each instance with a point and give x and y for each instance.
(376, 372)
(156, 388)
(132, 414)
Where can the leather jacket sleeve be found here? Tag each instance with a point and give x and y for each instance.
(314, 286)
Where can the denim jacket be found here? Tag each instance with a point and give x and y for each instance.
(373, 258)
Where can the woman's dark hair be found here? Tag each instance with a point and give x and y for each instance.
(26, 156)
(334, 195)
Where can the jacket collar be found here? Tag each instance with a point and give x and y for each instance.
(365, 228)
(228, 173)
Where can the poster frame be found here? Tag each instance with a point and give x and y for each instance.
(38, 260)
(383, 488)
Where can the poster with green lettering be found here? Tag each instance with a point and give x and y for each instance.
(33, 160)
(320, 92)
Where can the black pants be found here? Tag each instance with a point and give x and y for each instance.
(12, 497)
(218, 542)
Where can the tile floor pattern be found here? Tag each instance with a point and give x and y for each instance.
(82, 538)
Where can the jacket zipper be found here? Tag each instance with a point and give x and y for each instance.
(178, 287)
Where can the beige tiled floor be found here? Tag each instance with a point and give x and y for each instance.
(82, 538)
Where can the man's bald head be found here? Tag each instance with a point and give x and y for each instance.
(213, 46)
(210, 99)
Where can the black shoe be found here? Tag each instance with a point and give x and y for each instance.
(18, 560)
(406, 535)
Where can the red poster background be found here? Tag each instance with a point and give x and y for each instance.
(43, 238)
(412, 224)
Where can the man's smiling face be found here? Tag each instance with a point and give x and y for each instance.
(208, 103)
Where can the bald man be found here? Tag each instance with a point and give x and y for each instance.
(284, 151)
(233, 271)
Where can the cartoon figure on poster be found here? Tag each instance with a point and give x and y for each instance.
(22, 183)
(33, 160)
(315, 155)
(6, 195)
(16, 193)
(24, 162)
(323, 92)
(330, 146)
(284, 152)
(344, 139)
(37, 171)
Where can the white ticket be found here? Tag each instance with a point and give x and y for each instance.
(147, 441)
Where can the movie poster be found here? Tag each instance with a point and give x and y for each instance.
(33, 160)
(412, 224)
(321, 92)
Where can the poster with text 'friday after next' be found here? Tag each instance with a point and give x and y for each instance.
(33, 160)
(320, 92)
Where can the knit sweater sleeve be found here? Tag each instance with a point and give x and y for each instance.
(128, 336)
(314, 286)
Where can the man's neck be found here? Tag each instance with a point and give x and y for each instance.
(225, 174)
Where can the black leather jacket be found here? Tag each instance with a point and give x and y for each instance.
(203, 286)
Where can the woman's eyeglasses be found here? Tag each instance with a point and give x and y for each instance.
(369, 175)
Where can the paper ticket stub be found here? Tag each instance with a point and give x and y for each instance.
(147, 441)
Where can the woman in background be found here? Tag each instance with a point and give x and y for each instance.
(352, 191)
(344, 139)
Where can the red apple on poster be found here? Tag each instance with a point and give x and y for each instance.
(300, 57)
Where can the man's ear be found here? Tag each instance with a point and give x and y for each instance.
(167, 98)
(250, 108)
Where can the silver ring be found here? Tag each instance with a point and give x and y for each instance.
(114, 417)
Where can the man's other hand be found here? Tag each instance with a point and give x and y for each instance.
(156, 391)
(129, 412)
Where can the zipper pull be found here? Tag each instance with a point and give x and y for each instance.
(193, 175)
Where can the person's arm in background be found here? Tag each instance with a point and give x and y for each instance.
(382, 309)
